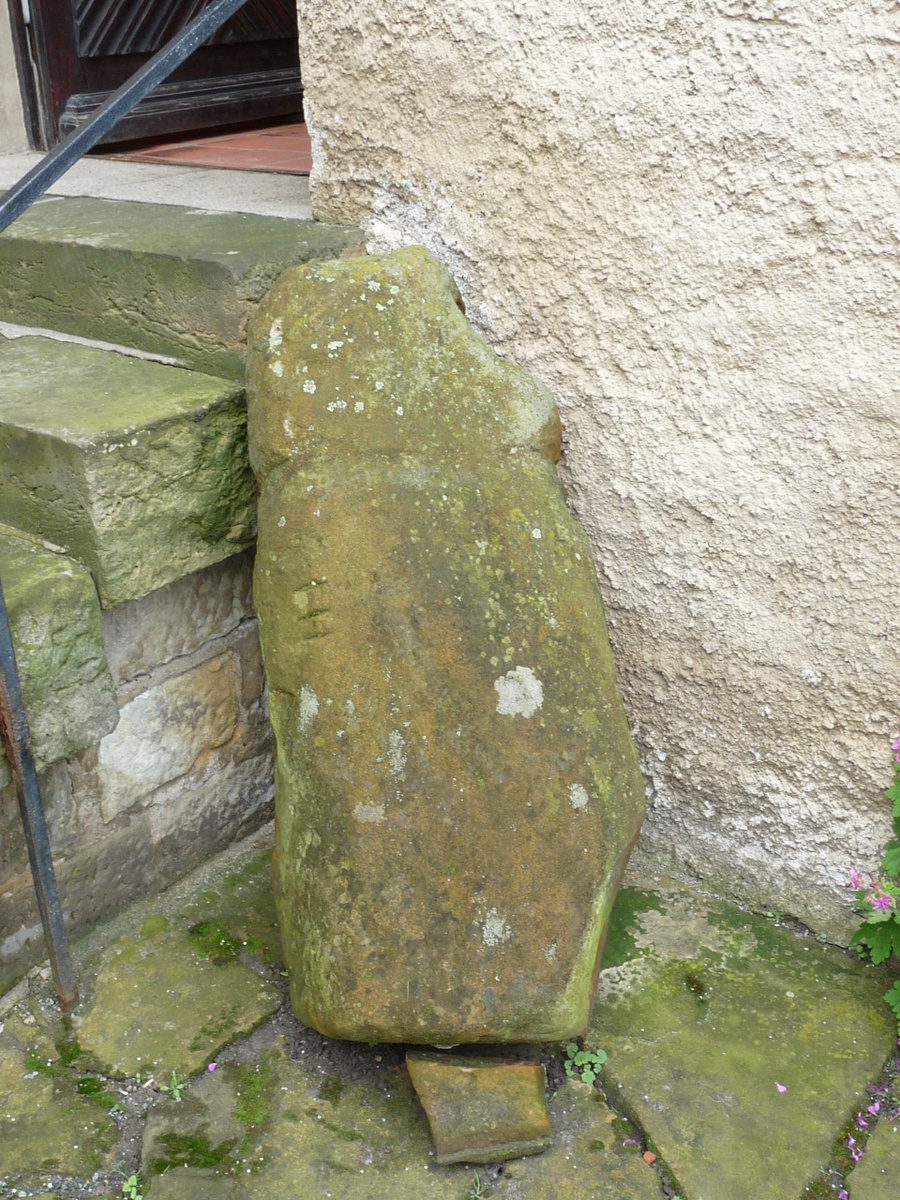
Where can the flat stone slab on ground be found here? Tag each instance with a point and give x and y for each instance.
(136, 469)
(164, 1001)
(588, 1158)
(45, 1124)
(877, 1175)
(739, 1046)
(175, 281)
(55, 619)
(482, 1110)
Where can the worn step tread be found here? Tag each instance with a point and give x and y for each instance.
(137, 469)
(171, 280)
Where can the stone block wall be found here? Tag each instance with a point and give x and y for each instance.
(187, 768)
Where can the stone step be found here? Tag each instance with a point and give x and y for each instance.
(174, 281)
(136, 469)
(54, 615)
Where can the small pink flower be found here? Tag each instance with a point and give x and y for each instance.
(883, 901)
(781, 1087)
(854, 879)
(874, 1109)
(861, 1123)
(843, 1194)
(211, 1067)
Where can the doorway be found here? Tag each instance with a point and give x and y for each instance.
(73, 53)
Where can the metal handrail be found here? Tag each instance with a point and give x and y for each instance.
(15, 737)
(119, 105)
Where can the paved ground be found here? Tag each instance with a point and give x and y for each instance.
(165, 183)
(745, 1060)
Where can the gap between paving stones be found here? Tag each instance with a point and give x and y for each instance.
(598, 1149)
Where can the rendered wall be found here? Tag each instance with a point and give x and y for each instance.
(12, 120)
(683, 217)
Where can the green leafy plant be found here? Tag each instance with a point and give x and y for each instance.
(479, 1189)
(878, 900)
(583, 1064)
(131, 1186)
(174, 1088)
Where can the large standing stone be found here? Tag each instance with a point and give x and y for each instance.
(457, 791)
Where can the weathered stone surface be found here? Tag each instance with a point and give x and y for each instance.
(740, 1046)
(136, 469)
(588, 1159)
(175, 620)
(54, 615)
(161, 1004)
(171, 280)
(482, 1110)
(45, 1125)
(456, 787)
(243, 903)
(877, 1175)
(163, 731)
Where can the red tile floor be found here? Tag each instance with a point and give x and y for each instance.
(279, 149)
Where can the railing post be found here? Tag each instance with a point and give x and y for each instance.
(16, 741)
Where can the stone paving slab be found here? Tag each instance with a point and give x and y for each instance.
(55, 620)
(167, 1001)
(740, 1047)
(170, 280)
(136, 469)
(877, 1177)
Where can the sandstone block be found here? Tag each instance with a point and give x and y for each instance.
(175, 620)
(456, 788)
(480, 1110)
(54, 616)
(137, 469)
(163, 731)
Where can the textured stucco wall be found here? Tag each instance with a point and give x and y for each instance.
(12, 120)
(683, 217)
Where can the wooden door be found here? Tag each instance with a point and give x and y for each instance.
(87, 48)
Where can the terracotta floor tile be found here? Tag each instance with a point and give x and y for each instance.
(280, 149)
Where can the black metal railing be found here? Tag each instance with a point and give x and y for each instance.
(15, 737)
(117, 106)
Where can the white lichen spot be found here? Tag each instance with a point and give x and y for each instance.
(349, 708)
(550, 952)
(495, 929)
(394, 289)
(369, 814)
(578, 796)
(358, 406)
(281, 522)
(379, 386)
(309, 386)
(536, 533)
(400, 412)
(374, 286)
(277, 367)
(275, 336)
(337, 405)
(520, 693)
(307, 708)
(396, 752)
(335, 345)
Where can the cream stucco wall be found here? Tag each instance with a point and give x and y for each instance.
(683, 216)
(13, 137)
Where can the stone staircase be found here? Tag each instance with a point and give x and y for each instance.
(127, 518)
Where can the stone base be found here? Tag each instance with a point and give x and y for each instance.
(187, 769)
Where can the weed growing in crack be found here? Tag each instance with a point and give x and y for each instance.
(583, 1064)
(131, 1186)
(174, 1088)
(479, 1189)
